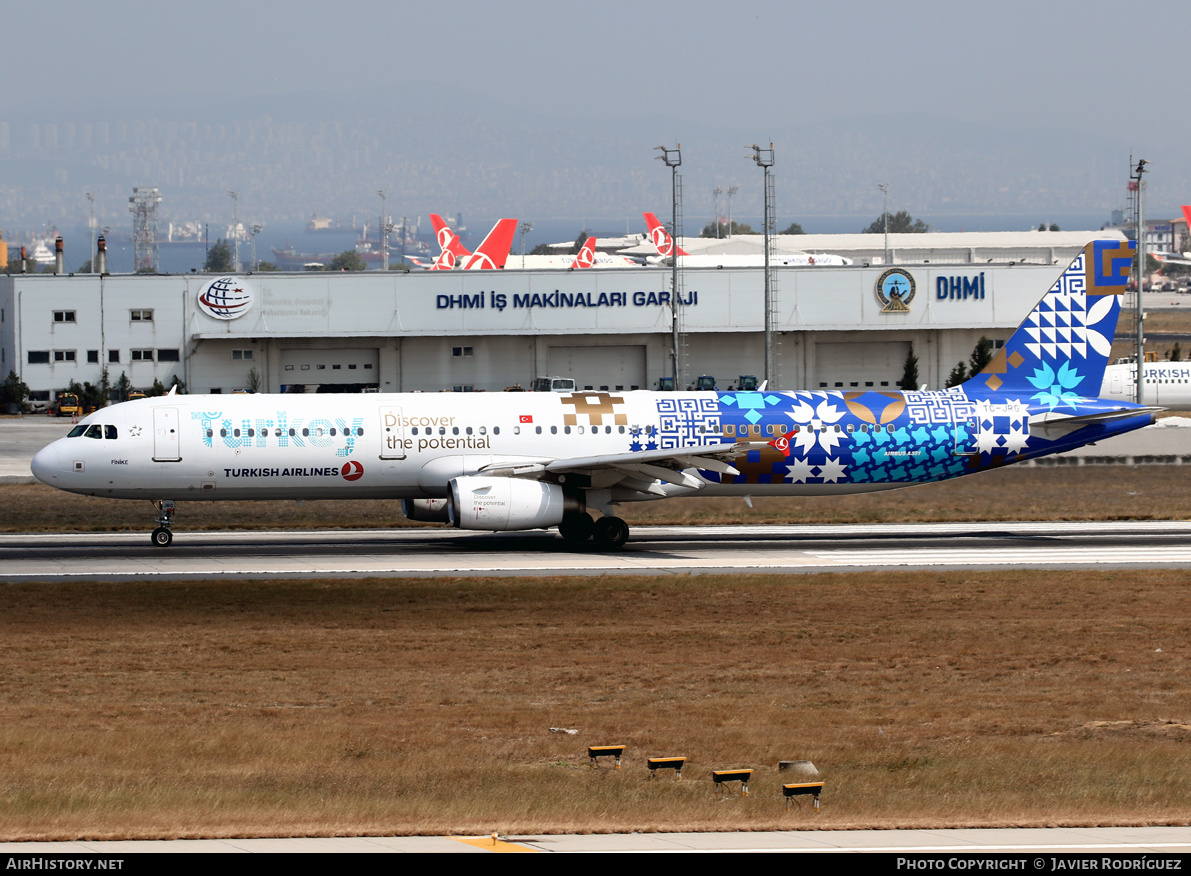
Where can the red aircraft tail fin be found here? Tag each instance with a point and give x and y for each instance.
(492, 253)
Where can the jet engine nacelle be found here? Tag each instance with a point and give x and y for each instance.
(426, 510)
(500, 504)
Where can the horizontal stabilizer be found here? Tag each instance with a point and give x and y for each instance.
(1053, 425)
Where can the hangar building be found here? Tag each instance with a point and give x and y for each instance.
(838, 327)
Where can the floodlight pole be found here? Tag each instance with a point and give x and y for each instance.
(732, 190)
(715, 198)
(236, 229)
(764, 160)
(672, 158)
(1141, 272)
(383, 230)
(524, 228)
(884, 187)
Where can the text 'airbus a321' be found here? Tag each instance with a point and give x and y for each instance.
(541, 460)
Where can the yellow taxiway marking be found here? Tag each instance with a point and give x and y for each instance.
(491, 844)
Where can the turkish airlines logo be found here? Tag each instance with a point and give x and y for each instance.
(225, 298)
(352, 471)
(480, 261)
(782, 444)
(444, 237)
(446, 261)
(661, 240)
(586, 257)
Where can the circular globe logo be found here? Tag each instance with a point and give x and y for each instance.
(225, 298)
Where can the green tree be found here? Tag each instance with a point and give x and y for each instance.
(266, 267)
(122, 388)
(958, 374)
(794, 228)
(219, 258)
(982, 354)
(725, 229)
(348, 260)
(158, 388)
(900, 222)
(254, 380)
(909, 381)
(1176, 353)
(579, 241)
(13, 391)
(541, 249)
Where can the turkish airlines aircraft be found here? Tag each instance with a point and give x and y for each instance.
(544, 459)
(664, 244)
(1166, 383)
(489, 255)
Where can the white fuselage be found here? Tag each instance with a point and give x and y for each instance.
(1166, 383)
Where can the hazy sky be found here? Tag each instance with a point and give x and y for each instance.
(653, 72)
(1031, 63)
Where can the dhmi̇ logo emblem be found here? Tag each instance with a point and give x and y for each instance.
(352, 471)
(895, 290)
(225, 298)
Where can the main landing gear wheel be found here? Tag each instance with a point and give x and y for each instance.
(162, 537)
(611, 533)
(577, 528)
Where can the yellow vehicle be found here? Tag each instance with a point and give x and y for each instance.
(67, 405)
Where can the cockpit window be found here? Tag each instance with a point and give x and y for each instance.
(95, 431)
(77, 431)
(109, 431)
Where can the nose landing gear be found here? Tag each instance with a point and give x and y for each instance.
(162, 536)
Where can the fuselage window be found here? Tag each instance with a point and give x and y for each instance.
(795, 429)
(454, 430)
(537, 430)
(210, 433)
(223, 433)
(730, 430)
(621, 429)
(332, 431)
(442, 430)
(468, 430)
(415, 430)
(607, 430)
(305, 433)
(293, 432)
(496, 430)
(235, 433)
(516, 430)
(483, 430)
(864, 427)
(567, 429)
(360, 431)
(252, 433)
(553, 430)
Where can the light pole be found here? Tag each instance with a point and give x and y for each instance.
(884, 187)
(523, 229)
(91, 198)
(256, 229)
(732, 190)
(715, 195)
(383, 229)
(672, 158)
(235, 230)
(1141, 273)
(764, 160)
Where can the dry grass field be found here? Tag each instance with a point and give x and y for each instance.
(394, 706)
(267, 708)
(1018, 493)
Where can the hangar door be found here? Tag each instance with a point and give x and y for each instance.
(349, 366)
(614, 367)
(845, 366)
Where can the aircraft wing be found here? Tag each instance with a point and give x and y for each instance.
(636, 470)
(1053, 425)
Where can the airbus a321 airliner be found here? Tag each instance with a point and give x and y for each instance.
(541, 460)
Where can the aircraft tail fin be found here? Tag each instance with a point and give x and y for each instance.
(448, 239)
(1187, 215)
(586, 257)
(494, 251)
(661, 238)
(1061, 349)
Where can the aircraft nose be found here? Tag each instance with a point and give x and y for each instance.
(45, 465)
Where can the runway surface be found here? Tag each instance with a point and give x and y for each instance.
(651, 550)
(1030, 845)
